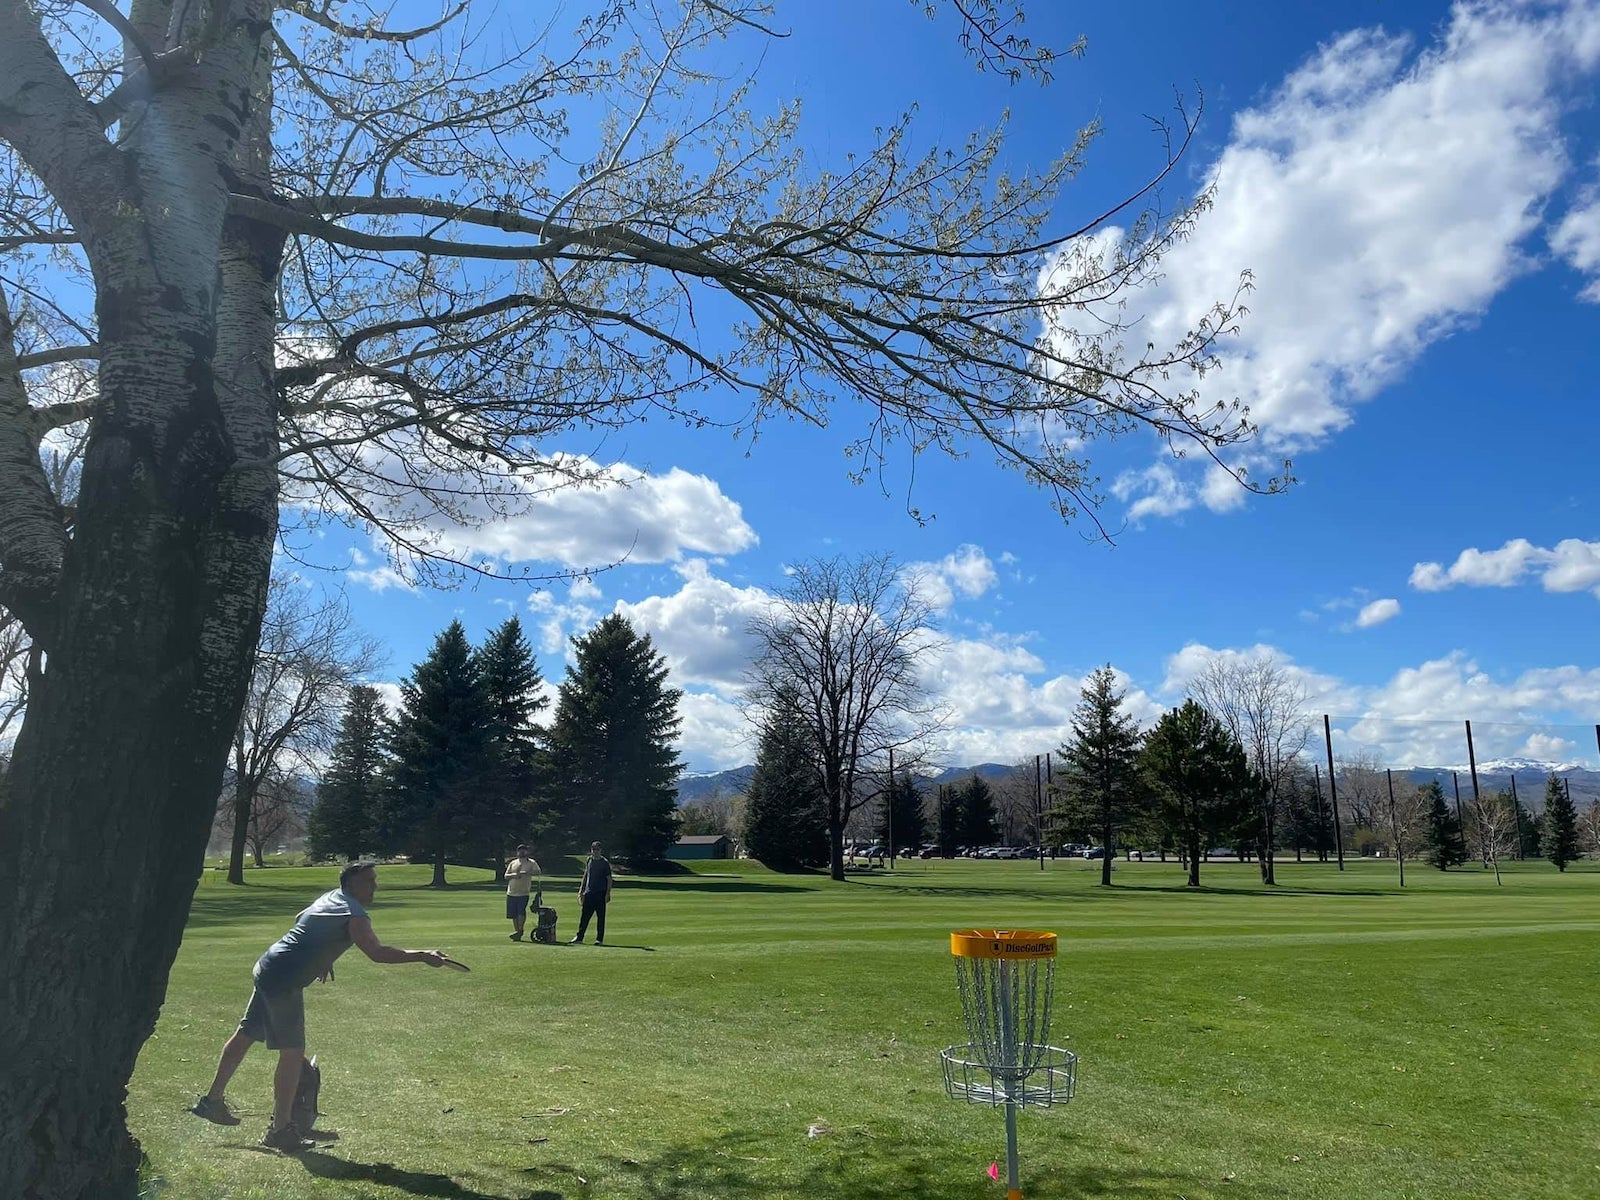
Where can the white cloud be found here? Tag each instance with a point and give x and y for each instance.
(702, 628)
(1577, 239)
(380, 579)
(1006, 704)
(1572, 565)
(714, 735)
(1381, 199)
(1159, 490)
(564, 510)
(1417, 717)
(1377, 613)
(967, 572)
(627, 515)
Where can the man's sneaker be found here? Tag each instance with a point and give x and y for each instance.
(287, 1139)
(215, 1111)
(515, 937)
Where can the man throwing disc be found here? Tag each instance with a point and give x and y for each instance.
(276, 1014)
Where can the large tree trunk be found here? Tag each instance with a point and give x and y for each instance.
(1194, 862)
(243, 801)
(120, 758)
(835, 847)
(438, 870)
(1269, 838)
(154, 615)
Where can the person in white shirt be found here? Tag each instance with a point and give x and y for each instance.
(519, 883)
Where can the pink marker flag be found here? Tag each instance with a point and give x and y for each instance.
(994, 1171)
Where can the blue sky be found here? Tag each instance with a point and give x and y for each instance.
(1416, 190)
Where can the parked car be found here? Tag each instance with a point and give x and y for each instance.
(1095, 852)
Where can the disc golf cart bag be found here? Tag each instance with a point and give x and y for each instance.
(304, 1111)
(544, 922)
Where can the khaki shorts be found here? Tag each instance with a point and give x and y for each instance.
(276, 1018)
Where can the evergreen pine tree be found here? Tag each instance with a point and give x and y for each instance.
(511, 683)
(1201, 780)
(1531, 831)
(1446, 847)
(1559, 831)
(903, 799)
(1100, 789)
(976, 811)
(614, 766)
(343, 822)
(439, 756)
(785, 814)
(948, 816)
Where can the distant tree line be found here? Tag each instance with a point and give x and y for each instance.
(463, 771)
(1225, 770)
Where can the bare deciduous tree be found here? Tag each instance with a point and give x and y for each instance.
(1264, 706)
(1407, 812)
(1494, 827)
(309, 654)
(1361, 788)
(1016, 804)
(837, 652)
(377, 272)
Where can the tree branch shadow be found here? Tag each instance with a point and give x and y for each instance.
(416, 1183)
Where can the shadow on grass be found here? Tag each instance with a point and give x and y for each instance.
(699, 883)
(1208, 889)
(416, 1183)
(743, 1167)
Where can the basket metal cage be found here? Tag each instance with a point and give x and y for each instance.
(1052, 1079)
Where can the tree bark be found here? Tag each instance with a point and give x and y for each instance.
(242, 803)
(1194, 862)
(155, 611)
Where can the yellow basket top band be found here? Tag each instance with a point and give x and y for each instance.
(1002, 943)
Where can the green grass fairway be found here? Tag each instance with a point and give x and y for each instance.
(1333, 1039)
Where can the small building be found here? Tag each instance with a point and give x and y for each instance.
(710, 845)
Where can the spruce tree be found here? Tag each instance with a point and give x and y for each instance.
(1200, 779)
(511, 689)
(613, 759)
(902, 800)
(439, 748)
(976, 811)
(1101, 794)
(1559, 832)
(948, 812)
(343, 822)
(1446, 847)
(786, 814)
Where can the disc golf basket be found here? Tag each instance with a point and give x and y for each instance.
(1006, 977)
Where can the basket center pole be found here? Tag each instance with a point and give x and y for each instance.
(1010, 1054)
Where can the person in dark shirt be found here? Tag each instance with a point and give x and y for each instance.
(594, 891)
(276, 1013)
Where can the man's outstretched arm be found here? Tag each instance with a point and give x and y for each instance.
(361, 934)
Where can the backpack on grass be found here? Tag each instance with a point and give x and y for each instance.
(304, 1112)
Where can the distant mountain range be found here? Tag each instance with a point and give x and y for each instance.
(1494, 775)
